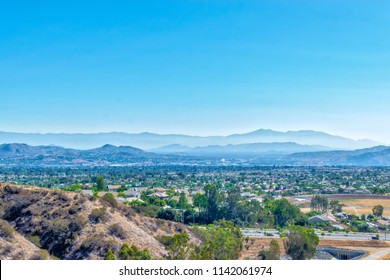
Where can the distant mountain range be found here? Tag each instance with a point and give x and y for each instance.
(376, 156)
(149, 141)
(51, 155)
(240, 149)
(245, 154)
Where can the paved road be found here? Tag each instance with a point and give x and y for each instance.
(334, 235)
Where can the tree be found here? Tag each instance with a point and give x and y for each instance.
(200, 201)
(301, 243)
(336, 207)
(214, 199)
(284, 212)
(167, 214)
(377, 211)
(183, 203)
(233, 201)
(109, 255)
(221, 241)
(319, 203)
(100, 183)
(177, 246)
(273, 253)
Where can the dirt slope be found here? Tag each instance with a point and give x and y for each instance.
(73, 226)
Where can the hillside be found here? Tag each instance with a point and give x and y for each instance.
(51, 155)
(376, 156)
(72, 226)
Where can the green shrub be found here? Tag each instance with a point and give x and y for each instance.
(6, 230)
(109, 255)
(133, 253)
(110, 199)
(40, 255)
(98, 215)
(34, 239)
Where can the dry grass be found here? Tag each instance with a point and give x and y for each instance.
(364, 206)
(352, 205)
(387, 257)
(355, 243)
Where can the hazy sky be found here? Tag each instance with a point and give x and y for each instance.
(199, 67)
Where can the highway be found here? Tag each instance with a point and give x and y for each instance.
(334, 235)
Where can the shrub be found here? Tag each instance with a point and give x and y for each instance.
(133, 253)
(14, 210)
(117, 231)
(148, 210)
(109, 255)
(34, 239)
(98, 215)
(97, 246)
(73, 210)
(110, 199)
(11, 189)
(6, 231)
(273, 253)
(77, 223)
(40, 255)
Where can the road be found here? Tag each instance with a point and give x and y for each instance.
(272, 233)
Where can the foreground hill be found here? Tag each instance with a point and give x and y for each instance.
(46, 223)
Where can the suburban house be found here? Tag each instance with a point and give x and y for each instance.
(160, 195)
(87, 192)
(134, 192)
(113, 188)
(319, 220)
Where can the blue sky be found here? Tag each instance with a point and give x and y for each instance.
(196, 67)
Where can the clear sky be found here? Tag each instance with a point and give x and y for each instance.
(201, 67)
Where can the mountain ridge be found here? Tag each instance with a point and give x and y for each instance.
(148, 140)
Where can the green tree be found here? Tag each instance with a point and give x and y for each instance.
(377, 211)
(301, 243)
(167, 214)
(183, 203)
(284, 212)
(200, 201)
(214, 200)
(222, 241)
(178, 246)
(233, 201)
(100, 183)
(319, 203)
(336, 207)
(109, 255)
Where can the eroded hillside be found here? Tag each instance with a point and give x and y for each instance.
(72, 226)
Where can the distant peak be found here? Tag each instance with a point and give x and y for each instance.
(108, 146)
